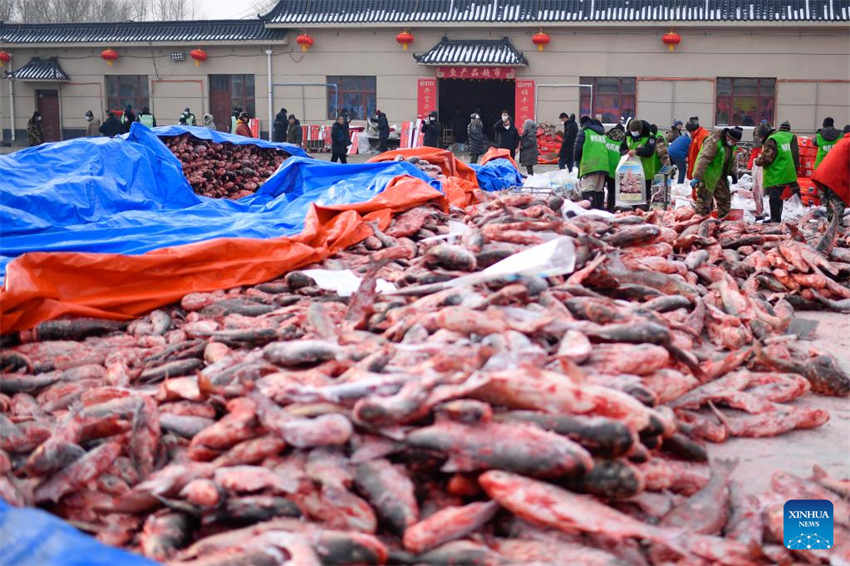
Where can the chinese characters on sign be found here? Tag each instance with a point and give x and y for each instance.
(426, 97)
(524, 102)
(476, 73)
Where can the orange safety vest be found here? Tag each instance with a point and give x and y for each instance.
(834, 169)
(693, 150)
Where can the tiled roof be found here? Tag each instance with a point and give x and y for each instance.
(495, 52)
(39, 69)
(134, 32)
(316, 12)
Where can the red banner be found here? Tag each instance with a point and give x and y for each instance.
(476, 73)
(426, 97)
(524, 102)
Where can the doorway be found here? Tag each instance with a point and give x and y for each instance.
(47, 104)
(459, 98)
(228, 92)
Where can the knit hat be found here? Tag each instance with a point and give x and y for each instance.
(828, 123)
(736, 133)
(634, 125)
(785, 126)
(693, 124)
(677, 123)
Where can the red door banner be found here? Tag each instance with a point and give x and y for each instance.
(254, 126)
(426, 97)
(524, 102)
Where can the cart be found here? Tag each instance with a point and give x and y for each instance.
(660, 189)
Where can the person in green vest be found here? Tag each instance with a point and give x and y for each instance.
(146, 118)
(591, 154)
(825, 138)
(613, 140)
(780, 158)
(188, 118)
(715, 163)
(642, 142)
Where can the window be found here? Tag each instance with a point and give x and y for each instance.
(613, 97)
(353, 94)
(228, 92)
(745, 102)
(122, 90)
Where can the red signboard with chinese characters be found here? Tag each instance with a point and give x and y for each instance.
(524, 102)
(426, 97)
(505, 73)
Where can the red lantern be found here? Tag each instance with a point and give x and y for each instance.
(540, 39)
(405, 38)
(199, 55)
(109, 55)
(4, 58)
(305, 41)
(671, 39)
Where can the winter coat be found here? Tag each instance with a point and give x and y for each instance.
(432, 132)
(678, 148)
(111, 127)
(769, 151)
(127, 119)
(477, 140)
(647, 149)
(339, 138)
(528, 147)
(293, 133)
(93, 128)
(594, 125)
(570, 134)
(829, 136)
(34, 132)
(697, 137)
(383, 126)
(242, 129)
(507, 138)
(834, 170)
(279, 127)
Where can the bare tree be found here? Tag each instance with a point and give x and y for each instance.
(71, 11)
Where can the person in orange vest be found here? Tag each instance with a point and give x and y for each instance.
(832, 177)
(698, 135)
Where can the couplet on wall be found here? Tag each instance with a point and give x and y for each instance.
(426, 97)
(524, 108)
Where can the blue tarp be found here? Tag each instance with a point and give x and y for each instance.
(130, 196)
(31, 537)
(497, 175)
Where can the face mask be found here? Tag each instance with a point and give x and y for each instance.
(39, 118)
(88, 118)
(505, 117)
(635, 135)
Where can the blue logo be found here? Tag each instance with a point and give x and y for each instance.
(808, 524)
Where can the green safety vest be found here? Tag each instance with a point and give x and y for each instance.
(715, 170)
(823, 148)
(613, 147)
(651, 164)
(782, 170)
(146, 120)
(594, 154)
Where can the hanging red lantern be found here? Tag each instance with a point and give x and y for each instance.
(305, 41)
(109, 55)
(199, 55)
(540, 39)
(4, 58)
(404, 38)
(671, 39)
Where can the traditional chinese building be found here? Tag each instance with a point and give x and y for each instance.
(726, 61)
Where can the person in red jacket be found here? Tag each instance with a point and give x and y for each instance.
(242, 127)
(832, 177)
(698, 135)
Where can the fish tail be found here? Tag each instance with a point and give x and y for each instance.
(818, 473)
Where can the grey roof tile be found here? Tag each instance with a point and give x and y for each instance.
(497, 52)
(39, 69)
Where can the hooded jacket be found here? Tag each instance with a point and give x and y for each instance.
(293, 132)
(340, 137)
(592, 124)
(528, 144)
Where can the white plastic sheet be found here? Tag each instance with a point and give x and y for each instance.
(343, 282)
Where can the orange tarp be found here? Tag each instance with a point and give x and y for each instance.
(450, 165)
(498, 153)
(41, 286)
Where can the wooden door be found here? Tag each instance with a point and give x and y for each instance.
(47, 103)
(220, 101)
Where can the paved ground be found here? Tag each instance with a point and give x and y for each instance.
(795, 452)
